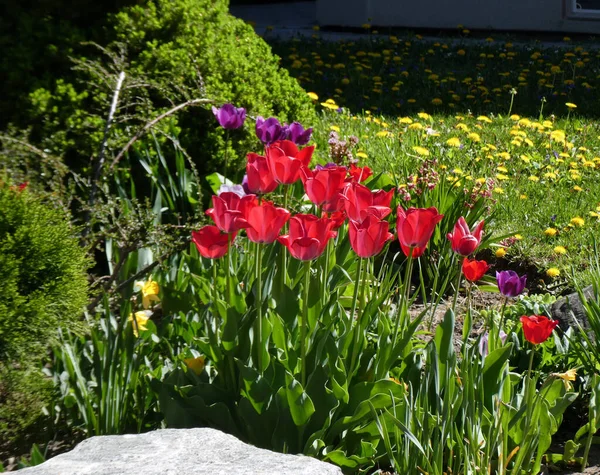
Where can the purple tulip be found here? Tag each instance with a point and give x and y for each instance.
(245, 185)
(509, 283)
(298, 135)
(270, 130)
(237, 189)
(326, 166)
(230, 117)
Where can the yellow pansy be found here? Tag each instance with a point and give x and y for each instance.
(196, 364)
(141, 320)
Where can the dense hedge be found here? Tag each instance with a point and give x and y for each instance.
(171, 51)
(43, 285)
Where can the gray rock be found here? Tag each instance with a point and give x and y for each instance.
(177, 452)
(570, 308)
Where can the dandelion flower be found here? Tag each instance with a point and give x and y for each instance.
(577, 221)
(560, 250)
(421, 151)
(453, 142)
(500, 252)
(553, 272)
(570, 105)
(551, 232)
(313, 96)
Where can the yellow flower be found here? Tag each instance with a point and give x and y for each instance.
(421, 151)
(570, 105)
(523, 197)
(335, 128)
(499, 190)
(500, 252)
(436, 101)
(550, 232)
(195, 364)
(560, 250)
(577, 188)
(461, 52)
(405, 120)
(424, 115)
(362, 155)
(474, 137)
(577, 221)
(567, 377)
(453, 142)
(141, 320)
(149, 290)
(313, 96)
(553, 272)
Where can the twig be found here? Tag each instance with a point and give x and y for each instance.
(153, 122)
(100, 161)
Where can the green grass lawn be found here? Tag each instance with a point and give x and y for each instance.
(481, 117)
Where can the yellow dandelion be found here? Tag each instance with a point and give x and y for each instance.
(499, 190)
(523, 197)
(474, 137)
(560, 250)
(553, 272)
(335, 128)
(577, 221)
(500, 252)
(570, 105)
(362, 155)
(551, 232)
(313, 96)
(453, 142)
(421, 151)
(577, 188)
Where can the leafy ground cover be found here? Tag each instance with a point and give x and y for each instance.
(518, 120)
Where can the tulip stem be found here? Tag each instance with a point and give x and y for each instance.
(326, 271)
(304, 327)
(458, 280)
(356, 286)
(226, 156)
(283, 254)
(215, 292)
(405, 296)
(259, 305)
(468, 322)
(229, 266)
(360, 280)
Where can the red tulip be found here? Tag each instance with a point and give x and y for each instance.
(359, 174)
(211, 242)
(260, 178)
(474, 270)
(338, 218)
(415, 227)
(359, 202)
(323, 186)
(285, 160)
(537, 328)
(368, 238)
(463, 241)
(265, 222)
(229, 209)
(308, 236)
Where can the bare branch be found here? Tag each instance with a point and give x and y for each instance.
(153, 122)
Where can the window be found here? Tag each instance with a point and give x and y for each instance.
(582, 9)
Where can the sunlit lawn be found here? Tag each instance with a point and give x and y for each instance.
(492, 121)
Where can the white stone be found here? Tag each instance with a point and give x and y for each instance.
(177, 452)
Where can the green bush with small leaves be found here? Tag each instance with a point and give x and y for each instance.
(43, 286)
(171, 52)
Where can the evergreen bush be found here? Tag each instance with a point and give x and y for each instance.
(43, 285)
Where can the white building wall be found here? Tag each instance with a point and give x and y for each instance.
(533, 15)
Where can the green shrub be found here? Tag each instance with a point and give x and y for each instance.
(171, 51)
(42, 286)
